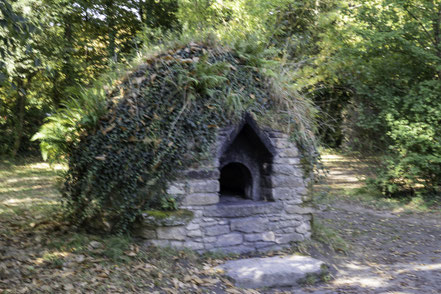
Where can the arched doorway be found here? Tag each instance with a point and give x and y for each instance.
(236, 181)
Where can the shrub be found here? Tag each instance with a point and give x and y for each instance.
(414, 158)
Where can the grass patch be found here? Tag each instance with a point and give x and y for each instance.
(328, 236)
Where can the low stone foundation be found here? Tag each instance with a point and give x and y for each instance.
(213, 221)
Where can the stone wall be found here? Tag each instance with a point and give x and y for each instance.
(273, 223)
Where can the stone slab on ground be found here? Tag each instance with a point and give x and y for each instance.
(278, 271)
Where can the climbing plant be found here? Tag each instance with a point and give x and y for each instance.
(161, 117)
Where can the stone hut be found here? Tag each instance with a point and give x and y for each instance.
(250, 197)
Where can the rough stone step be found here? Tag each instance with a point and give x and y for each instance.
(271, 271)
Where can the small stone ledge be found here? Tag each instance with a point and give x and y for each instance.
(242, 210)
(200, 199)
(158, 218)
(296, 209)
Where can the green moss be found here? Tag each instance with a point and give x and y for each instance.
(159, 218)
(159, 214)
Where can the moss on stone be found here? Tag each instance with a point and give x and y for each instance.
(159, 218)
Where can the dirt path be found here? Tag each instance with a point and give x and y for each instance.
(388, 252)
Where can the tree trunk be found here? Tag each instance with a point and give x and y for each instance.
(20, 113)
(436, 30)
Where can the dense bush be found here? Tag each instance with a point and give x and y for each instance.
(414, 160)
(162, 117)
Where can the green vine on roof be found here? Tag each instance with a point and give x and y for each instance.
(160, 118)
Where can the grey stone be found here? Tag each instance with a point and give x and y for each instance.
(200, 199)
(289, 152)
(194, 233)
(286, 193)
(194, 245)
(266, 236)
(302, 190)
(176, 244)
(296, 209)
(210, 239)
(249, 224)
(286, 160)
(287, 169)
(303, 228)
(240, 249)
(203, 186)
(284, 224)
(229, 240)
(176, 189)
(171, 233)
(217, 230)
(280, 143)
(271, 271)
(285, 181)
(290, 237)
(242, 210)
(193, 226)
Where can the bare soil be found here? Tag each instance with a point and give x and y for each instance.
(389, 252)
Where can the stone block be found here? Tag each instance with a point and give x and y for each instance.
(194, 233)
(266, 236)
(284, 224)
(284, 181)
(171, 233)
(210, 239)
(267, 194)
(287, 169)
(217, 230)
(287, 238)
(296, 209)
(200, 199)
(240, 249)
(177, 244)
(286, 193)
(249, 225)
(289, 152)
(286, 160)
(280, 143)
(243, 210)
(194, 245)
(271, 271)
(229, 240)
(193, 226)
(203, 186)
(176, 189)
(303, 228)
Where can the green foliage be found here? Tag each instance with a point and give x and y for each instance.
(63, 128)
(159, 119)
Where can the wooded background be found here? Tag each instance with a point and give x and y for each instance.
(372, 68)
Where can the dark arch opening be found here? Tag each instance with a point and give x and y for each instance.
(235, 180)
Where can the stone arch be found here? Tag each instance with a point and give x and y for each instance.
(248, 146)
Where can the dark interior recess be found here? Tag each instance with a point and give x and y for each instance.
(235, 180)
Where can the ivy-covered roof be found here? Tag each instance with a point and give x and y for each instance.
(162, 117)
